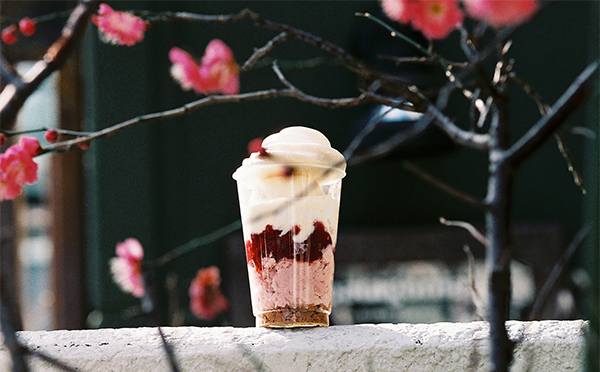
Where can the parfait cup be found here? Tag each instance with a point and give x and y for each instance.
(289, 222)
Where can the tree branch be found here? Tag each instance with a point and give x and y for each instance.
(261, 52)
(13, 97)
(557, 270)
(425, 176)
(571, 99)
(470, 229)
(216, 99)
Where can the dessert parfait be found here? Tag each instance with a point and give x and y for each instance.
(289, 199)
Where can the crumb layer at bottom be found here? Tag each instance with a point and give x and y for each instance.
(313, 316)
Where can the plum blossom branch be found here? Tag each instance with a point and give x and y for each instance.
(194, 244)
(545, 127)
(261, 52)
(214, 99)
(470, 229)
(544, 108)
(480, 306)
(13, 97)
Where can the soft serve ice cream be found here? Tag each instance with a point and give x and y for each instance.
(289, 199)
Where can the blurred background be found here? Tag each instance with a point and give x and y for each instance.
(168, 182)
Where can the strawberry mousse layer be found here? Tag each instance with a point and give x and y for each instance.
(285, 274)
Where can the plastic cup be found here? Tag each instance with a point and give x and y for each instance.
(289, 221)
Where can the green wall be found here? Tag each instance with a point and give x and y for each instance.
(170, 181)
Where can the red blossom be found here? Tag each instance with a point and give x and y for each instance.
(119, 27)
(27, 26)
(51, 135)
(256, 146)
(498, 13)
(10, 35)
(399, 10)
(206, 299)
(216, 73)
(434, 18)
(8, 188)
(126, 268)
(17, 167)
(84, 145)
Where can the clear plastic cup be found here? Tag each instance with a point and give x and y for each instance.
(289, 221)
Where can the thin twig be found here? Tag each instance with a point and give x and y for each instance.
(194, 244)
(50, 360)
(391, 143)
(261, 52)
(571, 99)
(544, 108)
(428, 60)
(480, 306)
(425, 176)
(557, 270)
(470, 229)
(151, 311)
(216, 99)
(10, 337)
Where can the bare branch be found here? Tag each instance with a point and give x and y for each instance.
(571, 99)
(13, 97)
(425, 176)
(390, 144)
(216, 99)
(480, 306)
(467, 226)
(544, 108)
(460, 136)
(557, 270)
(8, 75)
(261, 52)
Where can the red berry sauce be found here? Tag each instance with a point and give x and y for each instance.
(270, 243)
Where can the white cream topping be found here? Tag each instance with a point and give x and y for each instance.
(299, 148)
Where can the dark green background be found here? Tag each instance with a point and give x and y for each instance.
(170, 181)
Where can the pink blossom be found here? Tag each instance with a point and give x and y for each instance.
(206, 299)
(30, 144)
(434, 18)
(126, 268)
(216, 73)
(185, 70)
(16, 163)
(498, 13)
(8, 188)
(119, 27)
(437, 18)
(399, 10)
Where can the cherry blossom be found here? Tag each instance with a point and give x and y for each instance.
(437, 18)
(498, 13)
(399, 10)
(434, 18)
(126, 268)
(119, 27)
(17, 167)
(8, 188)
(216, 73)
(206, 299)
(27, 26)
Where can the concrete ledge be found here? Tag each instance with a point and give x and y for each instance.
(545, 346)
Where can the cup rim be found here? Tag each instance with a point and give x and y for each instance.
(243, 171)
